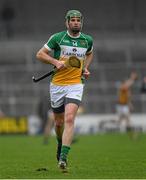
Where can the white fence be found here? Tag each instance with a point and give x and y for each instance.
(107, 123)
(95, 123)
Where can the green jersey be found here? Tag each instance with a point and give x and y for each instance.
(64, 46)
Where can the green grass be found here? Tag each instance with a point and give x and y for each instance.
(95, 156)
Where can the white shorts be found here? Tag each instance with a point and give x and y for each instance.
(61, 95)
(123, 109)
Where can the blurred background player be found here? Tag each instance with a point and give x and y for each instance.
(48, 126)
(143, 85)
(47, 119)
(124, 106)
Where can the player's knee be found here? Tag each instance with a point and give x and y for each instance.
(59, 123)
(69, 119)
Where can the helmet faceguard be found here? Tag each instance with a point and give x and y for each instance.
(73, 13)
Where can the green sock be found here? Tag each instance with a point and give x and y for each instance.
(64, 152)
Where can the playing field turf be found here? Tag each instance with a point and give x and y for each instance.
(95, 156)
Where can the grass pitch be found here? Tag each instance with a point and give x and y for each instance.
(92, 156)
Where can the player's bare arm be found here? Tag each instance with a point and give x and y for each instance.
(88, 60)
(44, 56)
(131, 80)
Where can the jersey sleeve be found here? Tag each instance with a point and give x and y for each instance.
(52, 43)
(90, 45)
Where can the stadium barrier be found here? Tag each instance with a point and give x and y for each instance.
(13, 125)
(84, 124)
(99, 123)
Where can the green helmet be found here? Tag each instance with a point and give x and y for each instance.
(73, 13)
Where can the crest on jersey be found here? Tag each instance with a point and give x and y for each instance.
(82, 42)
(74, 43)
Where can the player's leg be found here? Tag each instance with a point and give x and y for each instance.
(129, 128)
(72, 102)
(119, 111)
(126, 113)
(49, 126)
(47, 130)
(57, 94)
(65, 99)
(127, 119)
(59, 126)
(70, 113)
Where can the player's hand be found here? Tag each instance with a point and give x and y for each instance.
(60, 65)
(86, 73)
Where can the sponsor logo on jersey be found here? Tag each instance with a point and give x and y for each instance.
(81, 55)
(74, 49)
